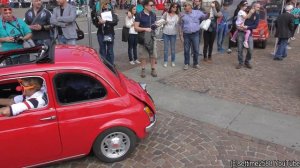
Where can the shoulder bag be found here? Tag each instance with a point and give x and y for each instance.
(80, 33)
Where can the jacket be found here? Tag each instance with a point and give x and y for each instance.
(284, 25)
(66, 21)
(108, 27)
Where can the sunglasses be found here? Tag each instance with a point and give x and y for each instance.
(7, 9)
(25, 87)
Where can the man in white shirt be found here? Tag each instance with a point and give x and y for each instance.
(32, 97)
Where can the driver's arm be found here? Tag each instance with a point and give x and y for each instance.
(6, 102)
(5, 111)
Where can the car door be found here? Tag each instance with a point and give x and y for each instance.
(84, 101)
(31, 137)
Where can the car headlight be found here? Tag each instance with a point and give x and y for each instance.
(150, 113)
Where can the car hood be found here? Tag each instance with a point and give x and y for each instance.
(137, 91)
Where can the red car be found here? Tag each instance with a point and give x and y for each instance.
(261, 34)
(90, 107)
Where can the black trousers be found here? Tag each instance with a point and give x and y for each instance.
(209, 38)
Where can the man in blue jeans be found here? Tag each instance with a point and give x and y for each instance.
(284, 27)
(189, 33)
(250, 24)
(222, 27)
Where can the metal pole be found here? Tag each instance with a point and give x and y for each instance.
(89, 26)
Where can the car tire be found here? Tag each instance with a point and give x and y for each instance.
(114, 144)
(263, 44)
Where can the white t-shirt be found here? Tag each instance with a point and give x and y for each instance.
(240, 20)
(25, 103)
(171, 27)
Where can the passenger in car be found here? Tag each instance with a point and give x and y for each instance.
(32, 97)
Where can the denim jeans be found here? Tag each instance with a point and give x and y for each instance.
(240, 41)
(63, 40)
(221, 33)
(132, 47)
(106, 49)
(169, 39)
(191, 39)
(281, 51)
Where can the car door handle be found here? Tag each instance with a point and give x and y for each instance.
(48, 118)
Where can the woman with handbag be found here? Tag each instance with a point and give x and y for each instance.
(170, 31)
(132, 39)
(105, 33)
(209, 35)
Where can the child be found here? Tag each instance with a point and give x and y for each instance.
(241, 17)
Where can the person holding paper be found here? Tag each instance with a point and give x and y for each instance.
(105, 20)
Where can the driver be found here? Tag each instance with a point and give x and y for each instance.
(32, 97)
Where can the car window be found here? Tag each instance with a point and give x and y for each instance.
(75, 87)
(110, 66)
(14, 90)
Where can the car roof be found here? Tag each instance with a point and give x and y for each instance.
(64, 57)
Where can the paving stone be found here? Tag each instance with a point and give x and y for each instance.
(217, 152)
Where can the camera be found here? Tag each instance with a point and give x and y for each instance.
(18, 39)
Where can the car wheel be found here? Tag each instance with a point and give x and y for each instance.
(114, 144)
(263, 44)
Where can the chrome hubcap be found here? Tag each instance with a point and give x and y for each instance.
(115, 145)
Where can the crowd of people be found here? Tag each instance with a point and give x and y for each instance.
(41, 27)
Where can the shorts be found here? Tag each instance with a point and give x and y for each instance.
(143, 52)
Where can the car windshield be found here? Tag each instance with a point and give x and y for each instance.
(20, 56)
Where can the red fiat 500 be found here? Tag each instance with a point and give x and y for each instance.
(89, 106)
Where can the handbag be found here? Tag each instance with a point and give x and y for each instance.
(28, 43)
(205, 24)
(125, 33)
(108, 38)
(80, 33)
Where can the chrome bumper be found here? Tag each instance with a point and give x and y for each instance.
(150, 127)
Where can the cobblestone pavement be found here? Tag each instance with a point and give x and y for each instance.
(178, 141)
(270, 84)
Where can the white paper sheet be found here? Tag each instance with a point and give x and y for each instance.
(106, 16)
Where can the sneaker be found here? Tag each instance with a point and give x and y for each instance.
(197, 66)
(173, 64)
(204, 59)
(246, 44)
(288, 47)
(233, 40)
(131, 62)
(186, 67)
(137, 61)
(165, 64)
(229, 51)
(153, 73)
(143, 73)
(293, 38)
(277, 59)
(249, 66)
(239, 66)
